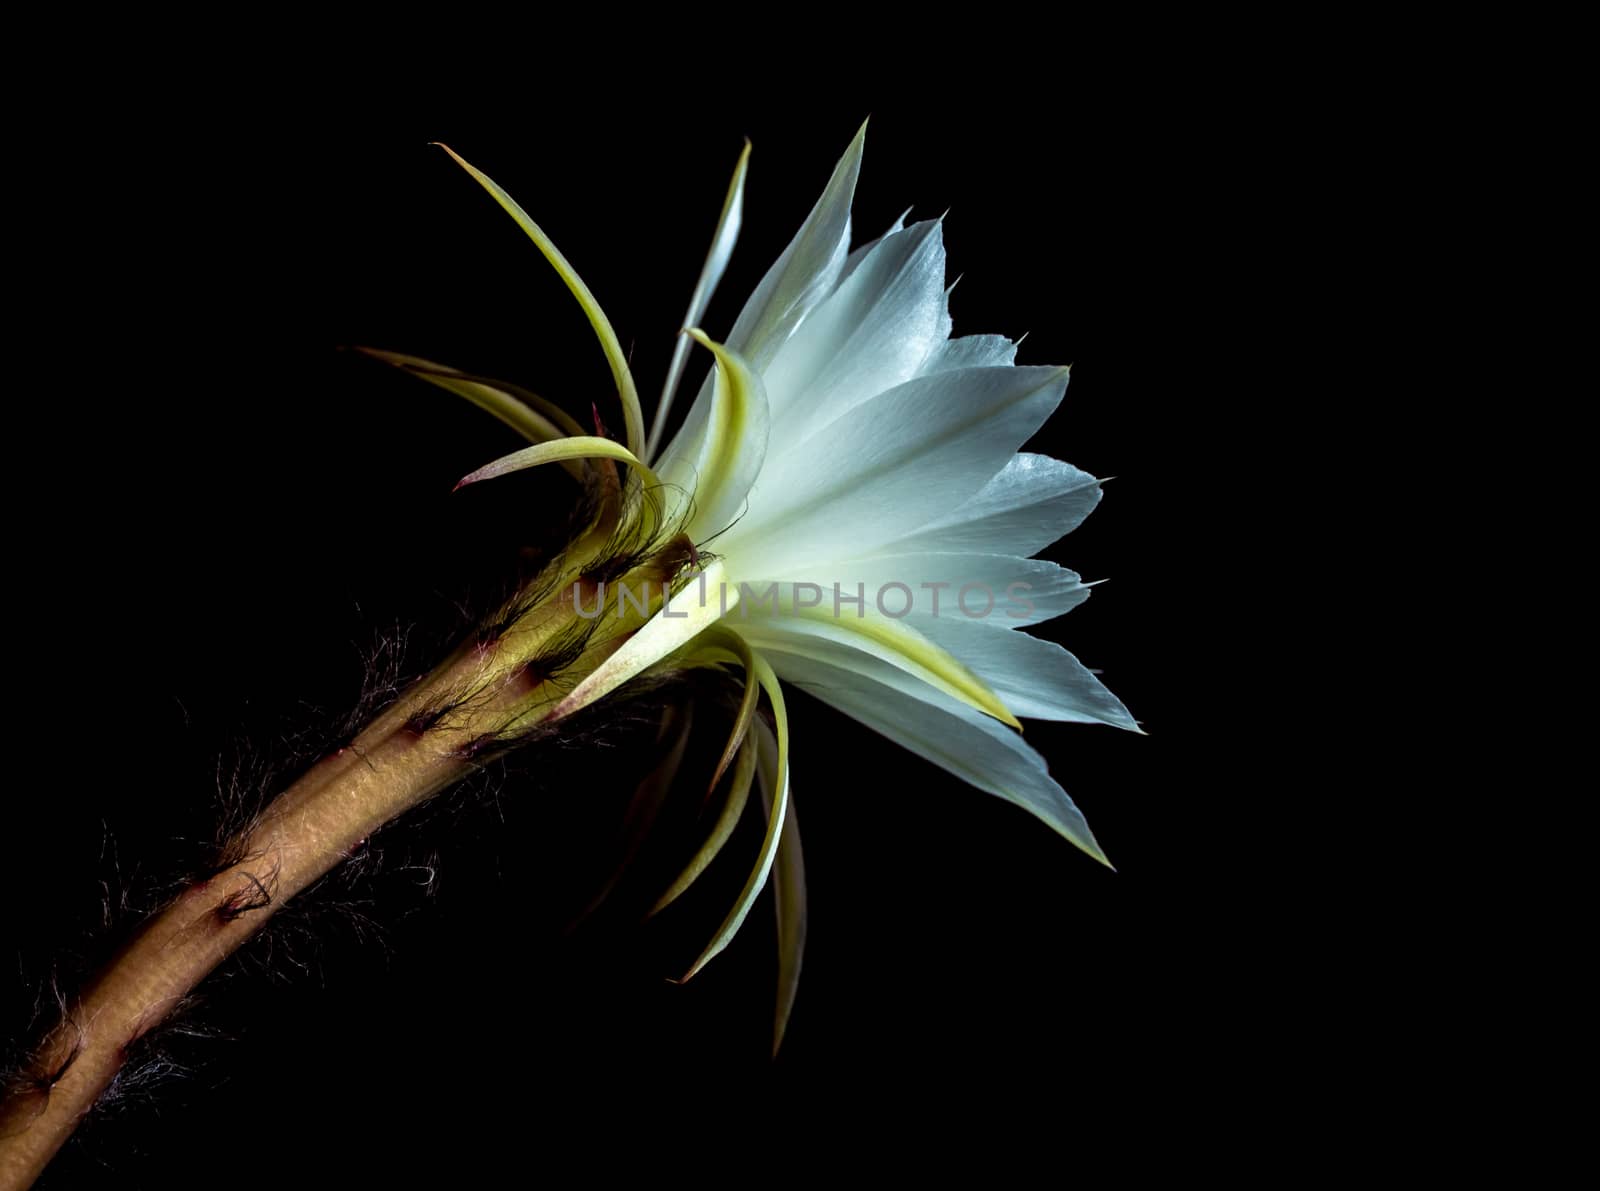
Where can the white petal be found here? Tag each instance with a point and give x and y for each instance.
(971, 351)
(1036, 678)
(951, 735)
(888, 467)
(805, 274)
(1024, 508)
(857, 255)
(808, 269)
(1008, 592)
(871, 334)
(848, 638)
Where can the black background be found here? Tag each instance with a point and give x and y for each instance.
(220, 510)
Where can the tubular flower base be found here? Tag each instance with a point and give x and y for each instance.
(844, 509)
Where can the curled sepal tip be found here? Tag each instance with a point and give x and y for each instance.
(582, 447)
(735, 443)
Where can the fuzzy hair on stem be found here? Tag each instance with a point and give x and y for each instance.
(482, 702)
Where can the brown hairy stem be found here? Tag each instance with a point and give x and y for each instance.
(181, 944)
(425, 741)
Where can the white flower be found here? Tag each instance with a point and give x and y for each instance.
(846, 439)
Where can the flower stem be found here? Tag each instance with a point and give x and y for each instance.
(432, 736)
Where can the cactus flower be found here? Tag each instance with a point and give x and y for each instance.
(845, 509)
(846, 463)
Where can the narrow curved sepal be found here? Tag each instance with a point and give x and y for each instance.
(644, 808)
(722, 644)
(534, 424)
(503, 391)
(727, 819)
(788, 890)
(722, 242)
(627, 391)
(769, 846)
(586, 447)
(735, 443)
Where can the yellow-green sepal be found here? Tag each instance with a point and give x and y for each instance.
(788, 888)
(535, 423)
(583, 447)
(775, 817)
(627, 391)
(734, 442)
(744, 772)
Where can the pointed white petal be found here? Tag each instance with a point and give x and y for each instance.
(1024, 508)
(857, 255)
(889, 466)
(808, 269)
(871, 334)
(1036, 678)
(971, 351)
(893, 642)
(998, 588)
(799, 279)
(970, 745)
(722, 242)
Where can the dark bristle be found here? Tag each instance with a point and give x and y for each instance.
(678, 561)
(518, 606)
(479, 747)
(560, 653)
(425, 719)
(628, 547)
(44, 1081)
(609, 568)
(255, 895)
(232, 853)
